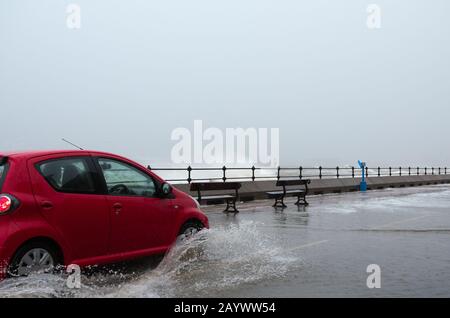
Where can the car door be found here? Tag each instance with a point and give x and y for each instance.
(139, 219)
(67, 191)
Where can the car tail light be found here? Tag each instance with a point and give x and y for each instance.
(7, 203)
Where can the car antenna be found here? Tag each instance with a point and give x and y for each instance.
(71, 144)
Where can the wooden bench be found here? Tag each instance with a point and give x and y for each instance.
(299, 193)
(230, 199)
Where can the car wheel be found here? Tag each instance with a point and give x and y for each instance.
(34, 257)
(189, 229)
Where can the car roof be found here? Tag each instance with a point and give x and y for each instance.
(39, 153)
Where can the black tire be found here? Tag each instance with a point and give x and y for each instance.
(193, 225)
(13, 269)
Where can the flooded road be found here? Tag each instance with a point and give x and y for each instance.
(319, 251)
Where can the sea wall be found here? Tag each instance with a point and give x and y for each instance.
(253, 190)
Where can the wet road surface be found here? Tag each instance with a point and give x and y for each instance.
(322, 250)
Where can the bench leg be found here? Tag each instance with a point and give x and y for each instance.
(279, 203)
(301, 200)
(231, 204)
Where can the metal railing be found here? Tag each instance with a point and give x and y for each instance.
(190, 174)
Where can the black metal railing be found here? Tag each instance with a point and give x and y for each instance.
(190, 174)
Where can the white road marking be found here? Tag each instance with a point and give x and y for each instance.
(400, 222)
(308, 245)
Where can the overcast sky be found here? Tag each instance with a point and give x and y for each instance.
(136, 70)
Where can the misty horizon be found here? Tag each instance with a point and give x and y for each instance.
(135, 71)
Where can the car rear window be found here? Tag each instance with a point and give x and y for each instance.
(70, 175)
(3, 170)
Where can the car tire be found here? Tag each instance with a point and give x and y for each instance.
(190, 228)
(49, 259)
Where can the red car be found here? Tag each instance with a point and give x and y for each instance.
(85, 208)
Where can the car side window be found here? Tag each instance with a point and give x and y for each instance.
(70, 175)
(124, 179)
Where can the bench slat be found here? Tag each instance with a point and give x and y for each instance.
(287, 192)
(218, 197)
(282, 183)
(209, 186)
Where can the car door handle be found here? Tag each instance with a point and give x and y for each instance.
(117, 208)
(46, 205)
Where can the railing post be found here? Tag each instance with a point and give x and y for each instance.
(418, 171)
(439, 170)
(278, 173)
(301, 172)
(390, 171)
(445, 170)
(337, 172)
(432, 171)
(253, 173)
(367, 172)
(320, 172)
(189, 179)
(353, 172)
(379, 171)
(409, 171)
(426, 170)
(224, 178)
(400, 171)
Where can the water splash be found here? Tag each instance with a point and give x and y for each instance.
(207, 264)
(214, 260)
(41, 286)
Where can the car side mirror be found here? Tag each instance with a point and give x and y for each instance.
(166, 189)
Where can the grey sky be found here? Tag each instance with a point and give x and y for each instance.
(138, 69)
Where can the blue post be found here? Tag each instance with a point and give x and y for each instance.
(363, 184)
